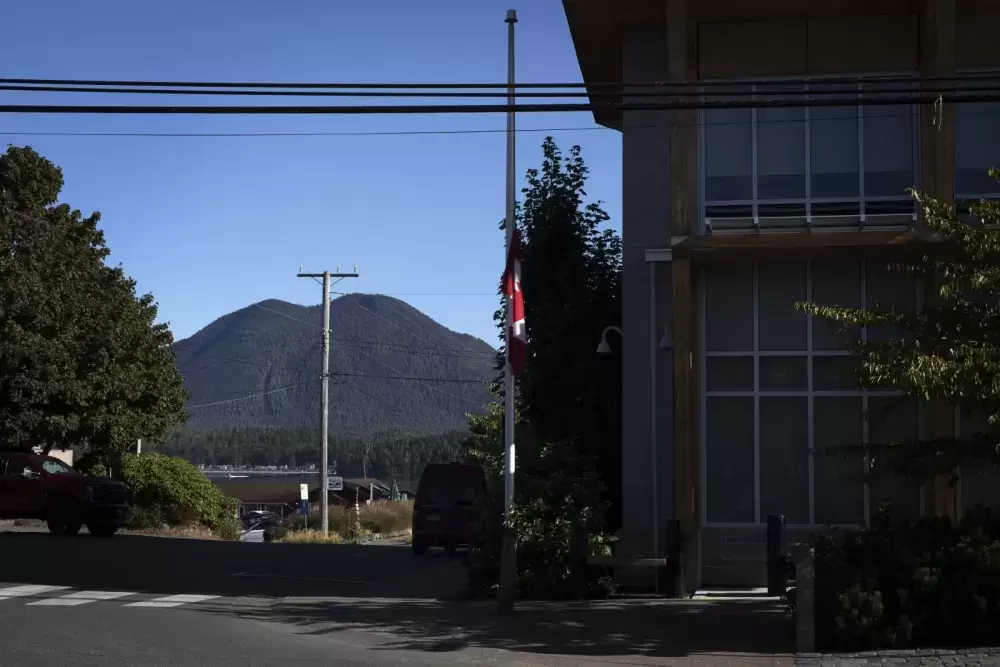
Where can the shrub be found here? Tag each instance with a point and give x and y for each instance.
(901, 584)
(145, 518)
(385, 517)
(178, 491)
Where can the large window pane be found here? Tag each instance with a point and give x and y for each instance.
(888, 145)
(888, 290)
(780, 285)
(729, 470)
(729, 374)
(784, 457)
(729, 307)
(783, 374)
(833, 146)
(781, 143)
(977, 148)
(980, 483)
(839, 486)
(728, 154)
(893, 419)
(834, 284)
(838, 373)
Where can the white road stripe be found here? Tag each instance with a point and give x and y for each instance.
(80, 597)
(172, 601)
(27, 590)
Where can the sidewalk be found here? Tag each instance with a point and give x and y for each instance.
(618, 632)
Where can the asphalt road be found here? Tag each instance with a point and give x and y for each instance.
(137, 600)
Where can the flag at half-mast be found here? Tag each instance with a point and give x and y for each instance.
(517, 340)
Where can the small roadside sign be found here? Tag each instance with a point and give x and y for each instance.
(334, 483)
(303, 491)
(304, 507)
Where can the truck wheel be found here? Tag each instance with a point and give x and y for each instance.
(418, 548)
(102, 529)
(63, 519)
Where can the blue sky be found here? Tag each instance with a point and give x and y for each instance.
(212, 224)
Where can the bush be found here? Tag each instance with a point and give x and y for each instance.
(145, 518)
(900, 584)
(179, 492)
(382, 517)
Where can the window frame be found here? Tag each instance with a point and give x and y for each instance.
(856, 221)
(971, 197)
(809, 393)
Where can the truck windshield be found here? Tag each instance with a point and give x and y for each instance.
(57, 467)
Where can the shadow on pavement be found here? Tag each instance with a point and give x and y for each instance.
(170, 565)
(747, 633)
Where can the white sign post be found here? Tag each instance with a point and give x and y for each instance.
(303, 491)
(304, 504)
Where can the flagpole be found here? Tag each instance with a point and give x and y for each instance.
(508, 557)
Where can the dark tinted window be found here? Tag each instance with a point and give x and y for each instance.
(449, 486)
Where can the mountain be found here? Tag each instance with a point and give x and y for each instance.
(392, 368)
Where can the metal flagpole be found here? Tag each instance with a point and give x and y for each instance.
(508, 563)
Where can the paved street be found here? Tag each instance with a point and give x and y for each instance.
(150, 601)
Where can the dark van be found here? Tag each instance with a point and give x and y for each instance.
(447, 507)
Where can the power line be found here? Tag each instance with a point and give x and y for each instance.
(294, 319)
(431, 351)
(409, 377)
(415, 133)
(248, 397)
(595, 85)
(733, 90)
(413, 109)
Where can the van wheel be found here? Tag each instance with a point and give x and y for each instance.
(102, 529)
(63, 519)
(419, 548)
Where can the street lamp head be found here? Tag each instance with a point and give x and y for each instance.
(603, 347)
(666, 343)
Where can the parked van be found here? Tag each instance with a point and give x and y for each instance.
(447, 508)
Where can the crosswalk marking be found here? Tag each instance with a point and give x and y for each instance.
(80, 597)
(27, 590)
(172, 601)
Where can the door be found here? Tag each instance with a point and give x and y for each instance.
(23, 495)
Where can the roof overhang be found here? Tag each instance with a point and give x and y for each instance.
(597, 28)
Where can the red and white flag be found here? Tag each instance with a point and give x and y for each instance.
(517, 340)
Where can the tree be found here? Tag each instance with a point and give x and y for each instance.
(949, 351)
(83, 362)
(569, 398)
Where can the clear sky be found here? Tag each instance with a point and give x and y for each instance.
(212, 224)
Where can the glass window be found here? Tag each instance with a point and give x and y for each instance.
(781, 142)
(888, 143)
(780, 285)
(783, 374)
(729, 461)
(889, 290)
(728, 154)
(833, 147)
(729, 307)
(839, 487)
(838, 373)
(977, 148)
(729, 373)
(784, 457)
(893, 419)
(834, 284)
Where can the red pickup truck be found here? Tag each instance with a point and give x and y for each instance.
(43, 487)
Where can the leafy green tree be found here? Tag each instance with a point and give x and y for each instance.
(83, 362)
(569, 398)
(949, 351)
(571, 276)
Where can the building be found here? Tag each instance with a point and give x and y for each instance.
(730, 216)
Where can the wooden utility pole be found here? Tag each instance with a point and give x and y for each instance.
(324, 420)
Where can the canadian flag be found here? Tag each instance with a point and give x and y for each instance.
(517, 340)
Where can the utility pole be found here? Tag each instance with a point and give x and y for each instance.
(324, 401)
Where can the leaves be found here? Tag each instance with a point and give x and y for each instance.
(949, 352)
(83, 362)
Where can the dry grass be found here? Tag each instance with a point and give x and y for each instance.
(194, 531)
(382, 518)
(311, 537)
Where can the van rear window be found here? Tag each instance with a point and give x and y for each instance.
(450, 487)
